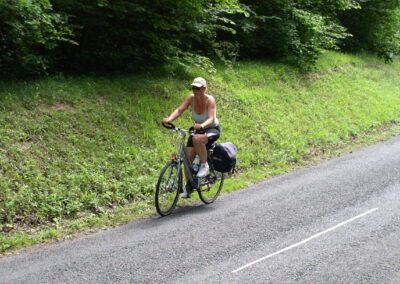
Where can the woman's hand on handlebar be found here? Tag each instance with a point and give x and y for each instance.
(167, 123)
(198, 127)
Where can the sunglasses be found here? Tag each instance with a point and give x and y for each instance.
(196, 88)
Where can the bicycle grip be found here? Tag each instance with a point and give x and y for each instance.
(168, 125)
(199, 131)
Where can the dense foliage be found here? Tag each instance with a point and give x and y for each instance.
(28, 31)
(299, 29)
(375, 27)
(125, 35)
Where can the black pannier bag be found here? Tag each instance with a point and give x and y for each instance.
(224, 157)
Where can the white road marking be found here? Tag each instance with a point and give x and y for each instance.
(305, 241)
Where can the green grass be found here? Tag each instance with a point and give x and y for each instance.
(85, 152)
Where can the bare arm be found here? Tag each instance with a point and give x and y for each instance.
(177, 113)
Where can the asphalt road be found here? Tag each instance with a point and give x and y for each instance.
(337, 222)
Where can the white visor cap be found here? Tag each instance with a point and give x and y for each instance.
(199, 82)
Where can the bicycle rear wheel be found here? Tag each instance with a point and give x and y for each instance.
(211, 189)
(167, 189)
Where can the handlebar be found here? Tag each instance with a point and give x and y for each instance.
(191, 130)
(168, 125)
(200, 131)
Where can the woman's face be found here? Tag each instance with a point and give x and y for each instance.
(198, 90)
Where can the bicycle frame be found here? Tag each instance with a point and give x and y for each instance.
(182, 157)
(170, 180)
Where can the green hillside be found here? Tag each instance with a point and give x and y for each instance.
(77, 152)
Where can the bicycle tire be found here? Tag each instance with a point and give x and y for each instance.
(167, 189)
(209, 193)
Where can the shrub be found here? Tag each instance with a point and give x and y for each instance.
(375, 27)
(29, 30)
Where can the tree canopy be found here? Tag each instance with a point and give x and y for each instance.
(45, 36)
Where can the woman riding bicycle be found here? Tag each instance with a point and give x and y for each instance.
(204, 115)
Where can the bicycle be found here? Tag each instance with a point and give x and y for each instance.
(170, 182)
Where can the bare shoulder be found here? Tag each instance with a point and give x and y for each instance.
(186, 103)
(211, 99)
(189, 98)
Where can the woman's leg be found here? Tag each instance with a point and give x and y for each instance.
(190, 152)
(199, 143)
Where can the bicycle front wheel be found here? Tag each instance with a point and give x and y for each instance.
(211, 189)
(168, 186)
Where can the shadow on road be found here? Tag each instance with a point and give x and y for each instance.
(194, 208)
